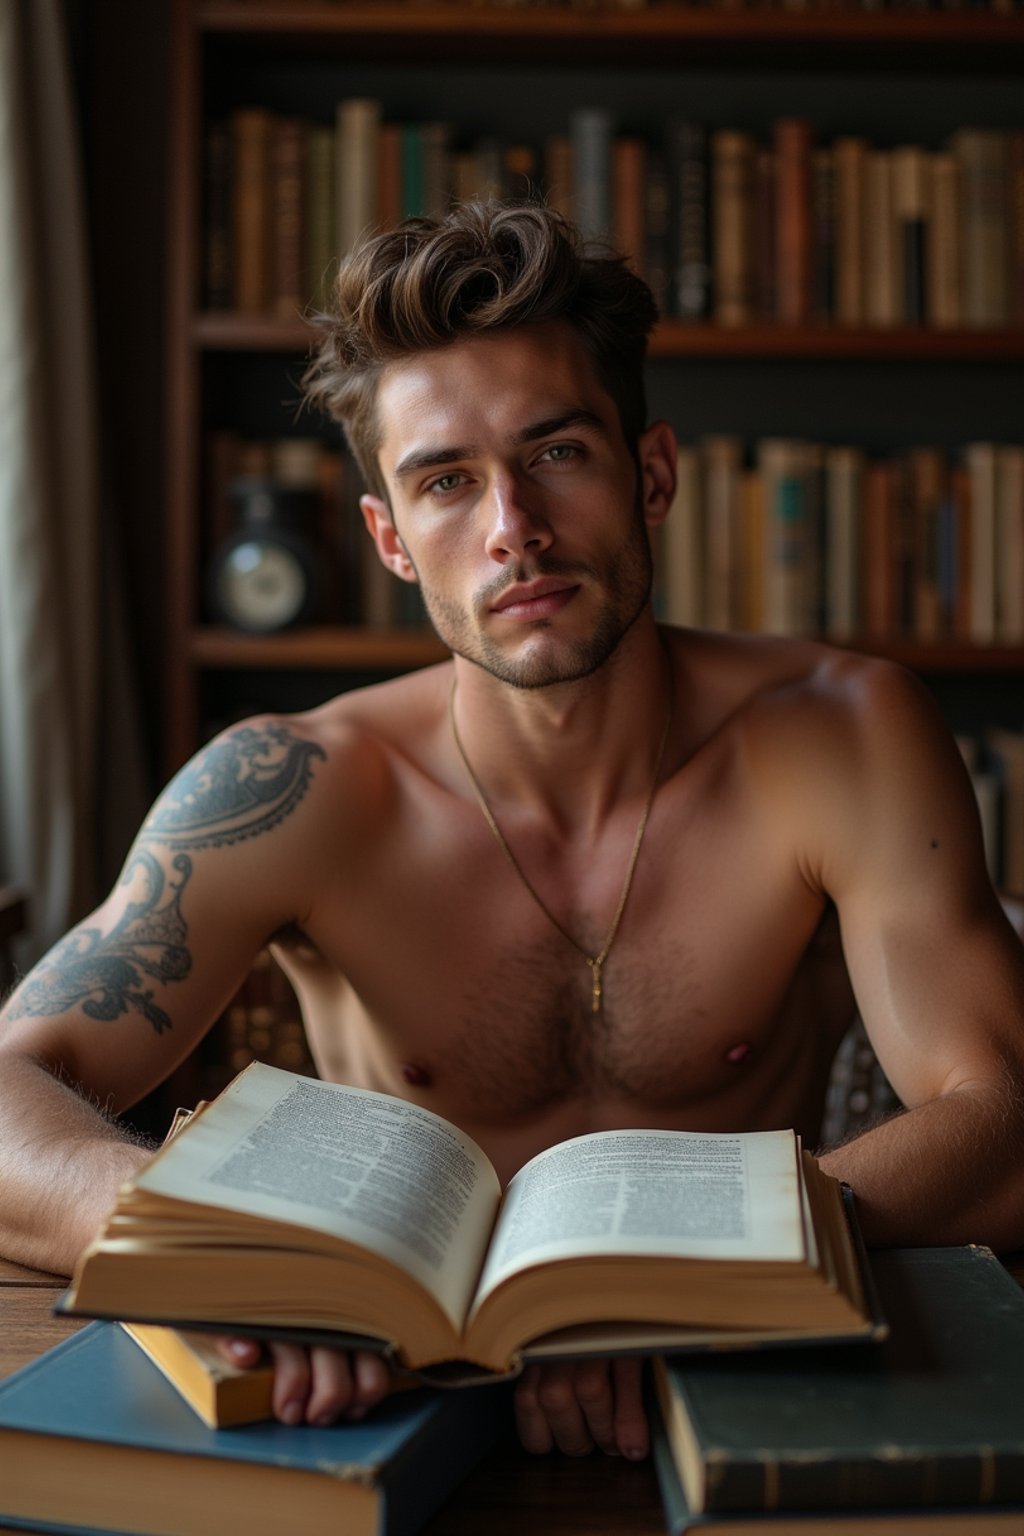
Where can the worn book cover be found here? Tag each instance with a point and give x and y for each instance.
(934, 1416)
(92, 1436)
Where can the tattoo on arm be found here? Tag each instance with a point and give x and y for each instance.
(103, 973)
(239, 787)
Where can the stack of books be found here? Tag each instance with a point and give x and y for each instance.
(920, 1434)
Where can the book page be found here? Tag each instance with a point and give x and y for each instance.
(364, 1166)
(677, 1193)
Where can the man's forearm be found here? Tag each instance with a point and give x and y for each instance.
(949, 1171)
(61, 1164)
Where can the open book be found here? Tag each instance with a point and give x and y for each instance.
(291, 1203)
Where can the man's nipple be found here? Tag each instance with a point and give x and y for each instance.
(416, 1074)
(739, 1052)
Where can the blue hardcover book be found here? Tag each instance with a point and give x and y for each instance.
(94, 1438)
(922, 1432)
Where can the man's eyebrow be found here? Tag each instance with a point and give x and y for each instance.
(577, 416)
(432, 458)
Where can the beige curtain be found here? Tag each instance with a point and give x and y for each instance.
(55, 597)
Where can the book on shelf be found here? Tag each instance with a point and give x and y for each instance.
(794, 279)
(92, 1435)
(928, 1426)
(343, 1214)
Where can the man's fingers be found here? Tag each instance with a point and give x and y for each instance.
(631, 1433)
(593, 1387)
(243, 1352)
(292, 1381)
(314, 1386)
(548, 1412)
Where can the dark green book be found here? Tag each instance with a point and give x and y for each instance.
(93, 1437)
(933, 1416)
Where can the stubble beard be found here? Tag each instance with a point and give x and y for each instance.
(627, 583)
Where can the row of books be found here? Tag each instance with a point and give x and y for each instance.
(724, 227)
(792, 537)
(809, 539)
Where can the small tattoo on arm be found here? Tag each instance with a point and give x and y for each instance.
(103, 973)
(241, 786)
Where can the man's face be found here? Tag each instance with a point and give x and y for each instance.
(517, 502)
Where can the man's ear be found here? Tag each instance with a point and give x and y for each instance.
(657, 450)
(381, 528)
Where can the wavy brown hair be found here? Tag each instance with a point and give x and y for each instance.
(485, 267)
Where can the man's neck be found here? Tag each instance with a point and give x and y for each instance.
(569, 752)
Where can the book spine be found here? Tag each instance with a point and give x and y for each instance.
(287, 217)
(682, 547)
(250, 210)
(358, 127)
(927, 483)
(629, 201)
(722, 459)
(844, 524)
(590, 130)
(881, 296)
(943, 243)
(1015, 224)
(320, 215)
(1009, 535)
(389, 175)
(793, 244)
(658, 214)
(981, 161)
(850, 156)
(823, 234)
(688, 177)
(981, 468)
(910, 207)
(880, 605)
(764, 233)
(732, 203)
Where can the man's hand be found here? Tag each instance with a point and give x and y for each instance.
(577, 1406)
(319, 1385)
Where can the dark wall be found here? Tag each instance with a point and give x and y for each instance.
(120, 56)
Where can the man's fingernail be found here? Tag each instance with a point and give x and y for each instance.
(240, 1348)
(635, 1452)
(291, 1413)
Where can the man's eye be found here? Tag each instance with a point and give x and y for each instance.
(445, 483)
(560, 453)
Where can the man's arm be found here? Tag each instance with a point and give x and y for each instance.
(937, 970)
(229, 854)
(117, 1004)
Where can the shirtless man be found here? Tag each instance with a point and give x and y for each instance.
(575, 878)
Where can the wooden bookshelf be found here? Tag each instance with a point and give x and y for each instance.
(224, 331)
(216, 43)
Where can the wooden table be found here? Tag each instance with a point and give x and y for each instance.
(509, 1493)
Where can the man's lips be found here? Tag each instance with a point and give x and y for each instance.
(536, 599)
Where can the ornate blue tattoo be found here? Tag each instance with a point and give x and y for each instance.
(239, 787)
(102, 973)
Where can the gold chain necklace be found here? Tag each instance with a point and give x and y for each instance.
(596, 962)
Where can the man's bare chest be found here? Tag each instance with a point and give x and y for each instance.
(468, 993)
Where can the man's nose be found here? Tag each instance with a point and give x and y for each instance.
(517, 522)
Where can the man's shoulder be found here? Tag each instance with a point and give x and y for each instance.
(755, 679)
